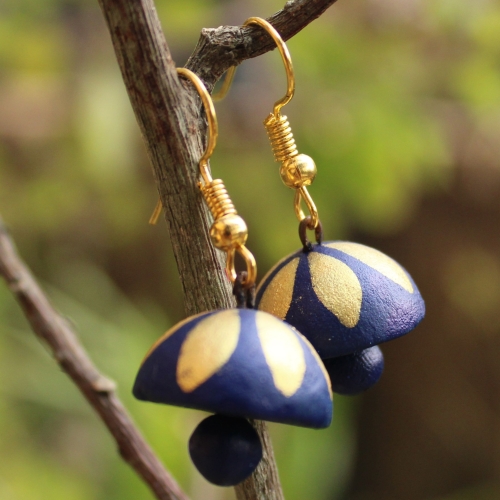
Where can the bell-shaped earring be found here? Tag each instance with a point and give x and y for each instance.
(238, 363)
(345, 298)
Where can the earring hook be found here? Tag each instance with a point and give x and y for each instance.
(287, 62)
(229, 231)
(285, 56)
(213, 130)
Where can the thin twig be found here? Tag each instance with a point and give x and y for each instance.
(99, 391)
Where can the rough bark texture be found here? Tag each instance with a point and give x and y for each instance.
(264, 483)
(99, 391)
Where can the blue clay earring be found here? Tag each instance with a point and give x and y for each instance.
(345, 298)
(238, 363)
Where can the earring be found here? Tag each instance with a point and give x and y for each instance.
(345, 298)
(238, 363)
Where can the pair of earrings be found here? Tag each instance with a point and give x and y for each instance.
(344, 298)
(237, 363)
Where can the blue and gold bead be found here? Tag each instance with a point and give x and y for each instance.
(238, 362)
(343, 297)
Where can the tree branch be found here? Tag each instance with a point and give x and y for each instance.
(99, 391)
(226, 46)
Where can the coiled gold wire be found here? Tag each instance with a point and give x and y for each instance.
(281, 137)
(217, 198)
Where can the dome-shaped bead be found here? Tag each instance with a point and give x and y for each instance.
(344, 297)
(357, 372)
(239, 362)
(225, 450)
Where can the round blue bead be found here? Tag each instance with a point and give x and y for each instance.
(225, 450)
(357, 372)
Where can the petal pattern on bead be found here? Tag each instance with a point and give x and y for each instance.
(337, 287)
(373, 258)
(278, 295)
(283, 352)
(218, 334)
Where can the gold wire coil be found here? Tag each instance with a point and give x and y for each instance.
(281, 137)
(217, 198)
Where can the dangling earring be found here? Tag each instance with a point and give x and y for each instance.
(345, 298)
(238, 363)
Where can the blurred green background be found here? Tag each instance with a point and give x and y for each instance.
(398, 102)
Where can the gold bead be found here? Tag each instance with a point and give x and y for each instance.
(298, 171)
(230, 231)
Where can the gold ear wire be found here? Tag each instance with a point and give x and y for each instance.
(211, 138)
(212, 132)
(213, 129)
(285, 56)
(287, 62)
(297, 170)
(229, 231)
(226, 85)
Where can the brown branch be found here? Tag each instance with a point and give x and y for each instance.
(99, 391)
(171, 122)
(220, 48)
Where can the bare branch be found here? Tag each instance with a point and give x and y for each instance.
(220, 48)
(99, 391)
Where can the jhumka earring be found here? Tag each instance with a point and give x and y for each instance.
(344, 297)
(238, 363)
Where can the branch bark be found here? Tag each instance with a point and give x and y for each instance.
(226, 46)
(170, 119)
(99, 391)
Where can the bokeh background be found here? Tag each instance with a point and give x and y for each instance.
(398, 101)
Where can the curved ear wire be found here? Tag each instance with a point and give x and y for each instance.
(229, 231)
(285, 56)
(226, 85)
(212, 131)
